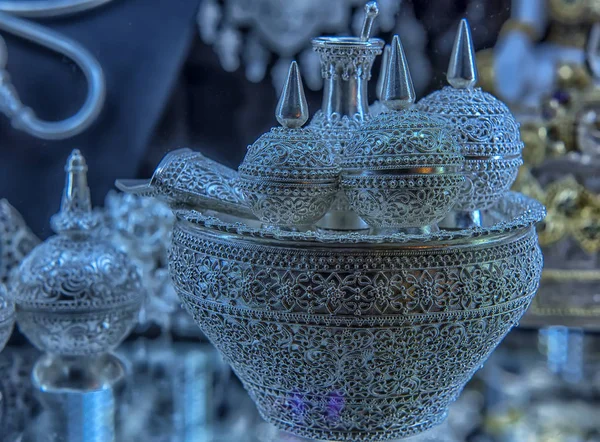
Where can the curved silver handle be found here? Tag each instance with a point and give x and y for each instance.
(46, 8)
(23, 117)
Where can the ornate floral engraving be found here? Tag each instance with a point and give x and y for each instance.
(350, 342)
(489, 137)
(402, 169)
(189, 177)
(289, 177)
(16, 239)
(7, 316)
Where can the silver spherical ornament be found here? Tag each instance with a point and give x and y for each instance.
(290, 175)
(403, 169)
(487, 132)
(76, 294)
(7, 316)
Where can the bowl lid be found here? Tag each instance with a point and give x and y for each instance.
(483, 124)
(284, 153)
(397, 139)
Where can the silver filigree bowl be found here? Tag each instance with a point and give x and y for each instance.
(489, 137)
(289, 177)
(77, 298)
(7, 316)
(351, 336)
(403, 170)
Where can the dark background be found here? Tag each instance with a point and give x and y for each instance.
(165, 90)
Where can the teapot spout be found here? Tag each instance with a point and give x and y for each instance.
(185, 178)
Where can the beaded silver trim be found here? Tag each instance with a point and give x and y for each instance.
(402, 169)
(403, 200)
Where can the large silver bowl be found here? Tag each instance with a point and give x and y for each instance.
(356, 337)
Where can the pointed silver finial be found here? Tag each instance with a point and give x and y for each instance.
(76, 206)
(371, 12)
(385, 59)
(592, 51)
(398, 89)
(462, 70)
(292, 109)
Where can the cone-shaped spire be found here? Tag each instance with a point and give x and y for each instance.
(398, 90)
(592, 51)
(385, 59)
(371, 12)
(462, 70)
(292, 109)
(76, 206)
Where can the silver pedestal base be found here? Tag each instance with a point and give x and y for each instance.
(78, 395)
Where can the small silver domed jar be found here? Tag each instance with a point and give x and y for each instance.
(76, 294)
(403, 169)
(487, 132)
(7, 316)
(290, 175)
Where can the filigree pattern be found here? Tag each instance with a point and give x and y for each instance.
(76, 295)
(489, 138)
(285, 154)
(486, 181)
(78, 333)
(289, 177)
(403, 200)
(402, 139)
(288, 205)
(16, 239)
(348, 58)
(353, 343)
(189, 177)
(7, 316)
(402, 169)
(336, 129)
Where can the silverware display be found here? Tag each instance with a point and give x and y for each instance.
(359, 335)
